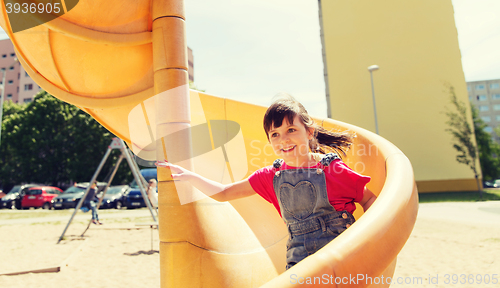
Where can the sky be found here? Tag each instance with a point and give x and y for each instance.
(264, 47)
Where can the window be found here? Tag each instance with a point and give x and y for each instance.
(28, 87)
(27, 100)
(496, 107)
(4, 55)
(10, 82)
(468, 88)
(494, 85)
(9, 95)
(12, 54)
(26, 74)
(495, 96)
(11, 68)
(34, 192)
(17, 89)
(480, 87)
(470, 98)
(486, 108)
(498, 118)
(488, 129)
(3, 69)
(481, 98)
(486, 118)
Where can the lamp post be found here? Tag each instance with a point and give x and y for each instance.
(371, 69)
(4, 72)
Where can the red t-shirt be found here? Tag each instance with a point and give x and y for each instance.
(343, 185)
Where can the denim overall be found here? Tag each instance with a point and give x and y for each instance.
(311, 219)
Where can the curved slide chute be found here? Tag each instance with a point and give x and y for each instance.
(104, 65)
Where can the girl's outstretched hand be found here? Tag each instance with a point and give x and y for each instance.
(178, 173)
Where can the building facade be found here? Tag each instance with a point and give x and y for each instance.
(190, 65)
(19, 87)
(415, 44)
(485, 97)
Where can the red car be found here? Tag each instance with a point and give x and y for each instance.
(40, 197)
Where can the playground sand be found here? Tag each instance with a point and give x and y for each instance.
(111, 255)
(448, 238)
(452, 245)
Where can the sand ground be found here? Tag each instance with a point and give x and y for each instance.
(116, 254)
(452, 245)
(449, 240)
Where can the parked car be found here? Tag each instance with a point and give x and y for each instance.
(40, 196)
(492, 184)
(71, 196)
(489, 184)
(134, 198)
(13, 199)
(114, 197)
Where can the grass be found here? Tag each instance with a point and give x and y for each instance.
(470, 196)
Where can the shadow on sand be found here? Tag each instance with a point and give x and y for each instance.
(150, 252)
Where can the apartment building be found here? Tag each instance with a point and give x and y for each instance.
(190, 65)
(485, 96)
(415, 61)
(19, 87)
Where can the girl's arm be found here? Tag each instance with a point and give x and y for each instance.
(368, 199)
(213, 189)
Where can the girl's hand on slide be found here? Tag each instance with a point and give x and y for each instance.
(161, 163)
(178, 173)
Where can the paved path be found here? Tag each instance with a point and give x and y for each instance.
(487, 212)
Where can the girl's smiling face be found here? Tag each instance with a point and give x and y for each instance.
(290, 141)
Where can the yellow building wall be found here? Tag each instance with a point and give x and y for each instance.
(415, 45)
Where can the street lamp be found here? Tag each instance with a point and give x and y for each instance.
(3, 95)
(371, 69)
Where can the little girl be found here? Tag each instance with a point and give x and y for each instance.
(313, 192)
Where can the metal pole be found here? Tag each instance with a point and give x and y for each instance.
(1, 103)
(374, 104)
(144, 182)
(110, 179)
(138, 179)
(105, 189)
(86, 191)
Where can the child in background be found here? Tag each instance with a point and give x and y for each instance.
(310, 186)
(151, 191)
(91, 203)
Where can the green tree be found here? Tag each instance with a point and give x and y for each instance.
(488, 149)
(462, 134)
(49, 141)
(11, 114)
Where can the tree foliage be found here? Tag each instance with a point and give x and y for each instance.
(51, 142)
(489, 150)
(462, 134)
(192, 86)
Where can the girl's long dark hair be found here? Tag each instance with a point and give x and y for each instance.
(323, 142)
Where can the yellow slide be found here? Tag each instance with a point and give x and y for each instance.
(124, 63)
